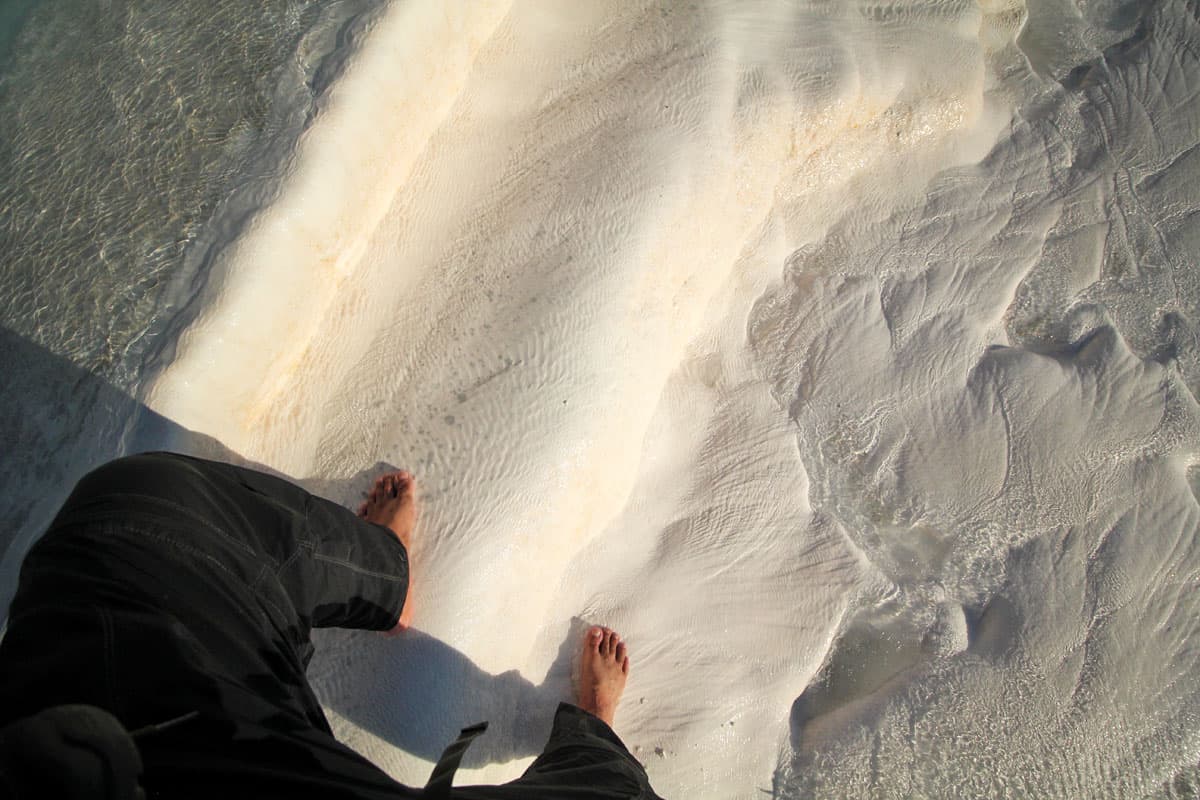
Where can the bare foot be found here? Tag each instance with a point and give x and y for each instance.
(392, 503)
(602, 672)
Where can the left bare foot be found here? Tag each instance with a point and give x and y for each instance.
(392, 503)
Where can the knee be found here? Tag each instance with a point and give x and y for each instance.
(139, 473)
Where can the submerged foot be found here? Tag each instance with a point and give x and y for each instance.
(602, 672)
(392, 503)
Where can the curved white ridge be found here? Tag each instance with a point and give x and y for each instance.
(278, 279)
(696, 322)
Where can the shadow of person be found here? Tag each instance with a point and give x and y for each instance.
(416, 693)
(58, 422)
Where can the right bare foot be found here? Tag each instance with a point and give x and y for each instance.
(392, 503)
(602, 672)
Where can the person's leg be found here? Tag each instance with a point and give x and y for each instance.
(178, 594)
(248, 562)
(584, 759)
(337, 569)
(170, 587)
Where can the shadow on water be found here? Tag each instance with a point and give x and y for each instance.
(58, 422)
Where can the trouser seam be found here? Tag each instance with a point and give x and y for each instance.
(264, 572)
(287, 562)
(350, 565)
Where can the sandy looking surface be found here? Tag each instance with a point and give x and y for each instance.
(841, 356)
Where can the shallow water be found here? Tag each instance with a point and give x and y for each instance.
(842, 356)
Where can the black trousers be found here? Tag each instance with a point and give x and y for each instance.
(179, 595)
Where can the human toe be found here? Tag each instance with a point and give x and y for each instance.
(595, 637)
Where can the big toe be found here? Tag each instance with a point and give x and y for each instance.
(595, 636)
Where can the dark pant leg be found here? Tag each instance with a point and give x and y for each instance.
(583, 760)
(336, 569)
(171, 586)
(281, 560)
